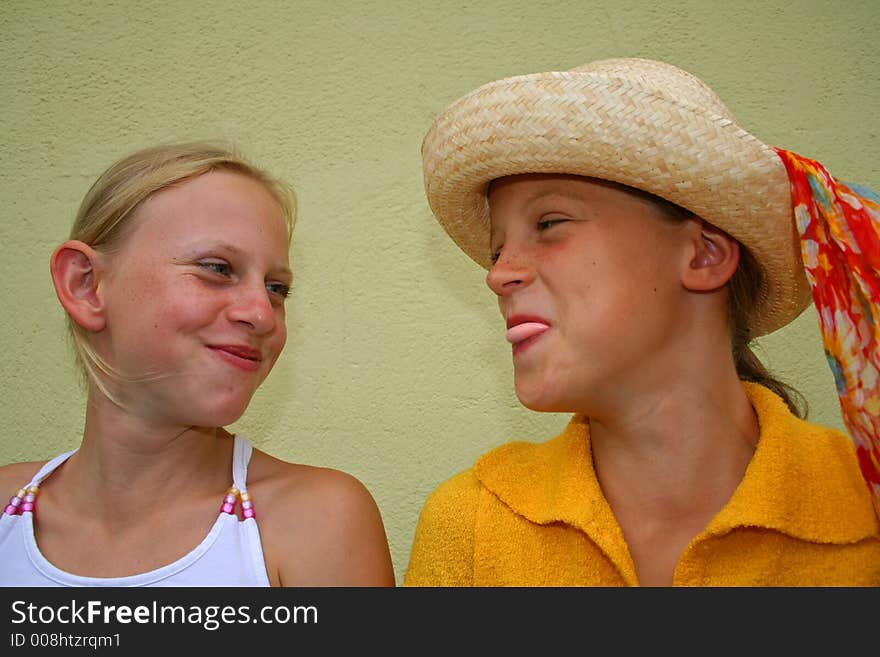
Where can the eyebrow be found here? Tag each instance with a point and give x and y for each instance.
(564, 193)
(541, 195)
(220, 245)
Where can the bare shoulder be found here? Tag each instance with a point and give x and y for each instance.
(320, 526)
(15, 476)
(295, 483)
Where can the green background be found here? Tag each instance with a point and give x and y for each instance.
(396, 368)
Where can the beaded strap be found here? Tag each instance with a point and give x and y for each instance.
(232, 496)
(24, 500)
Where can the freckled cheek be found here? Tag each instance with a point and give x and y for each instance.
(604, 300)
(175, 316)
(137, 306)
(554, 251)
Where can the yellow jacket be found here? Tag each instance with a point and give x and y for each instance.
(531, 514)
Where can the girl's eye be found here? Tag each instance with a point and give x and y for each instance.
(544, 224)
(221, 268)
(494, 256)
(279, 289)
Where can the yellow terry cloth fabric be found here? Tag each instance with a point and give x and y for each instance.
(533, 514)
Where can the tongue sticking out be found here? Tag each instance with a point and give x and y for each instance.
(524, 331)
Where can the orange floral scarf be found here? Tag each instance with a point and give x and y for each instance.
(839, 227)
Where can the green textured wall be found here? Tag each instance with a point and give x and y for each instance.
(396, 368)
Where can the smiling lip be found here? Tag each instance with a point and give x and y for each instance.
(525, 330)
(240, 356)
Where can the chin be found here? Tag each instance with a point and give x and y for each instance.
(222, 414)
(537, 401)
(226, 420)
(546, 398)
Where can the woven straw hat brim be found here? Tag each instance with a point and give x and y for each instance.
(605, 126)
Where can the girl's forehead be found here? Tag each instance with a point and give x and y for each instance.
(219, 204)
(524, 191)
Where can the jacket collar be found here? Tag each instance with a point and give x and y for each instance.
(798, 481)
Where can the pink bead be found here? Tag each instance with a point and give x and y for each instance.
(248, 513)
(227, 507)
(15, 501)
(247, 504)
(27, 506)
(229, 499)
(11, 510)
(30, 497)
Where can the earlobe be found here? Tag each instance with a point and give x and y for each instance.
(76, 274)
(713, 260)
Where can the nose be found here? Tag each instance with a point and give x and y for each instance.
(251, 305)
(510, 272)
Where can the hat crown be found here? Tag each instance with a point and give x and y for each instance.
(659, 78)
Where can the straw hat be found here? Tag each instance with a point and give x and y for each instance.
(642, 123)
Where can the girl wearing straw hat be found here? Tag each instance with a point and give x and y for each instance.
(638, 239)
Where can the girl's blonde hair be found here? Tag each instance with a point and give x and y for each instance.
(110, 205)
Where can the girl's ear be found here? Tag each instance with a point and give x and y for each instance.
(714, 257)
(76, 273)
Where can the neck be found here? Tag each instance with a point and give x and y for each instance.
(682, 443)
(128, 464)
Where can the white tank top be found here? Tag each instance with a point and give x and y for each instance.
(230, 555)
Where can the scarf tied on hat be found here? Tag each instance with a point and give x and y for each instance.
(839, 228)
